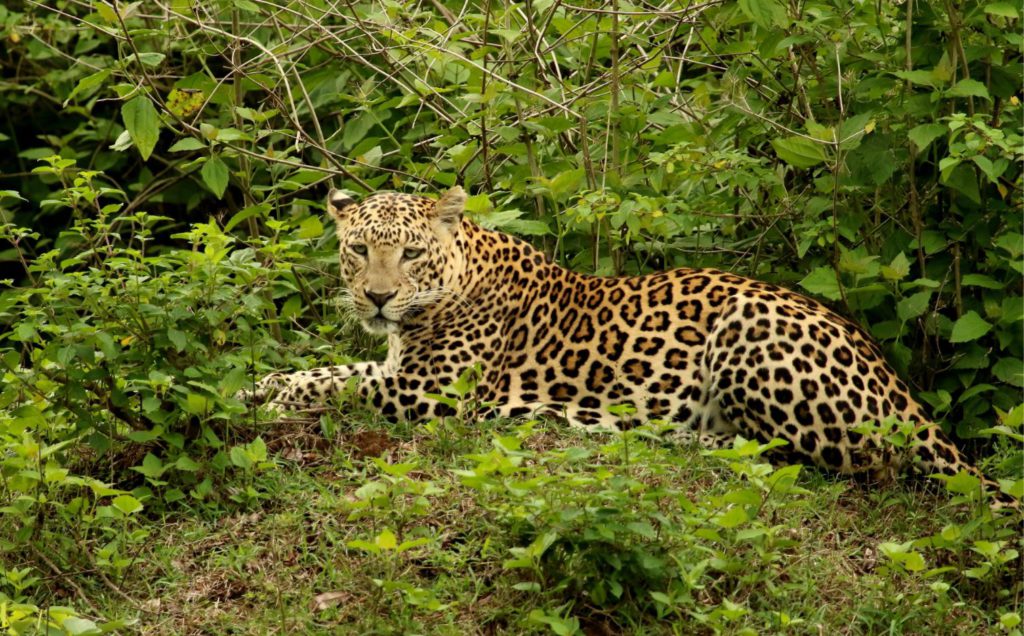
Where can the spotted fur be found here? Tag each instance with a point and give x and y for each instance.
(716, 354)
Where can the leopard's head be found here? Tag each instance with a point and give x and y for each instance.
(399, 254)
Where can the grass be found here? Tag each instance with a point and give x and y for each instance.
(320, 549)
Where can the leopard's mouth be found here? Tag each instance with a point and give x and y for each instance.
(379, 324)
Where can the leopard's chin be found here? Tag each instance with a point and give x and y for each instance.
(380, 325)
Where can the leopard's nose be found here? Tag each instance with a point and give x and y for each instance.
(379, 299)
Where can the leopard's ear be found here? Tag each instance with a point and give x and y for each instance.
(339, 204)
(448, 209)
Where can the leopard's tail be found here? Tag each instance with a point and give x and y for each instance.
(936, 454)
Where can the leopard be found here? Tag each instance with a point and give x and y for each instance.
(714, 355)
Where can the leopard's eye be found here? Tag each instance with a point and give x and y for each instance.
(410, 253)
(358, 248)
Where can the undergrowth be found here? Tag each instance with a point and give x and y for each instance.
(139, 495)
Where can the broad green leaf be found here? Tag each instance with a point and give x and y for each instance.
(509, 35)
(257, 448)
(409, 545)
(968, 88)
(962, 483)
(565, 182)
(1012, 487)
(1010, 370)
(822, 281)
(291, 307)
(969, 327)
(150, 58)
(311, 227)
(386, 540)
(732, 517)
(177, 338)
(359, 544)
(913, 306)
(765, 13)
(260, 209)
(897, 269)
(923, 78)
(232, 381)
(215, 176)
(78, 626)
(143, 124)
(151, 466)
(240, 458)
(555, 124)
(980, 280)
(1003, 9)
(799, 151)
(187, 143)
(127, 504)
(913, 561)
(925, 134)
(88, 82)
(1009, 620)
(356, 128)
(187, 464)
(992, 170)
(197, 404)
(962, 179)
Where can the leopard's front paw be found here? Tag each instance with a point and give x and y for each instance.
(265, 390)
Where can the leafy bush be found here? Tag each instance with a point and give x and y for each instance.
(119, 372)
(165, 173)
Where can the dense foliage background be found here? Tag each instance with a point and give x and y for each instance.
(161, 189)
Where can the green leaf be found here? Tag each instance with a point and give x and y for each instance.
(799, 151)
(177, 338)
(87, 83)
(240, 458)
(1010, 371)
(732, 517)
(925, 134)
(1009, 620)
(143, 124)
(151, 466)
(386, 540)
(980, 280)
(897, 269)
(197, 404)
(356, 128)
(366, 546)
(232, 381)
(187, 464)
(150, 58)
(968, 88)
(291, 307)
(76, 626)
(1002, 9)
(188, 143)
(913, 306)
(923, 78)
(913, 561)
(215, 176)
(963, 180)
(991, 170)
(765, 13)
(311, 227)
(127, 504)
(969, 327)
(962, 483)
(822, 281)
(260, 209)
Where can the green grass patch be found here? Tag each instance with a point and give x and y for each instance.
(511, 528)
